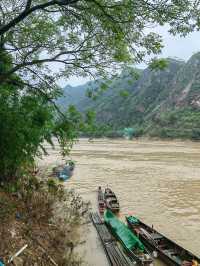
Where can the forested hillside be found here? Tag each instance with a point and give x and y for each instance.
(163, 103)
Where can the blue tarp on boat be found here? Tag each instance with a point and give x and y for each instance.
(1, 263)
(64, 172)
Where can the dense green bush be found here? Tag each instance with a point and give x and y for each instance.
(139, 132)
(178, 123)
(27, 120)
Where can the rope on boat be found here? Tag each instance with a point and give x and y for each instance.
(114, 253)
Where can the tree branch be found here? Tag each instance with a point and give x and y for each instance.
(27, 11)
(43, 93)
(28, 4)
(79, 48)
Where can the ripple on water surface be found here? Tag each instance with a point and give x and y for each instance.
(158, 181)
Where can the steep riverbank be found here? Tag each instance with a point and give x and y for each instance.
(158, 181)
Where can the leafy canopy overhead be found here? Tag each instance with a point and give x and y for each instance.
(87, 36)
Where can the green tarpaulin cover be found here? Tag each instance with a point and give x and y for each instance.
(133, 220)
(122, 232)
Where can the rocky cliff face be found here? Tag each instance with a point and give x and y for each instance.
(186, 85)
(157, 99)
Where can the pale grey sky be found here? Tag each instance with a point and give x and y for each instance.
(180, 47)
(174, 46)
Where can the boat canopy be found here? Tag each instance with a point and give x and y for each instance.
(122, 232)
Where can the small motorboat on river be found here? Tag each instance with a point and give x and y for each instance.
(111, 201)
(64, 172)
(167, 250)
(132, 245)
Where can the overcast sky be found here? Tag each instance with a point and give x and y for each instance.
(174, 46)
(179, 47)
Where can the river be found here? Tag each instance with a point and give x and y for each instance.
(157, 181)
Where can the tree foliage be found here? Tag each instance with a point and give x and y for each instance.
(28, 120)
(85, 37)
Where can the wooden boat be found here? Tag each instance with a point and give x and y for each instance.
(112, 204)
(114, 253)
(132, 245)
(167, 250)
(64, 172)
(101, 203)
(108, 193)
(111, 201)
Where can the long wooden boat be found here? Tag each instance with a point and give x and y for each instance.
(167, 250)
(111, 200)
(100, 199)
(132, 245)
(114, 253)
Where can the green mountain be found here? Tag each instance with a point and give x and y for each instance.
(72, 96)
(158, 103)
(179, 113)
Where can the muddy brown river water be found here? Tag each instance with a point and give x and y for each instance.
(157, 181)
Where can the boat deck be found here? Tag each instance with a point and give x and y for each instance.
(114, 254)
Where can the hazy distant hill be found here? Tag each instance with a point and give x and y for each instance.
(160, 103)
(78, 95)
(72, 96)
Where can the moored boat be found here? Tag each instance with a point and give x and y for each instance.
(101, 203)
(112, 204)
(111, 200)
(108, 193)
(64, 172)
(167, 250)
(132, 245)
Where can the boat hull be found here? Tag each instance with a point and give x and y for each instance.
(111, 201)
(160, 255)
(100, 199)
(171, 253)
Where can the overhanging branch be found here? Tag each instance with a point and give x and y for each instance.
(29, 10)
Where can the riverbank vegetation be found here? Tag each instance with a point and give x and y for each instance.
(43, 216)
(174, 124)
(181, 124)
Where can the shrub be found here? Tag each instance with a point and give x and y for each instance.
(138, 132)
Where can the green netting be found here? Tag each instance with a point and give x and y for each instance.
(121, 231)
(128, 131)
